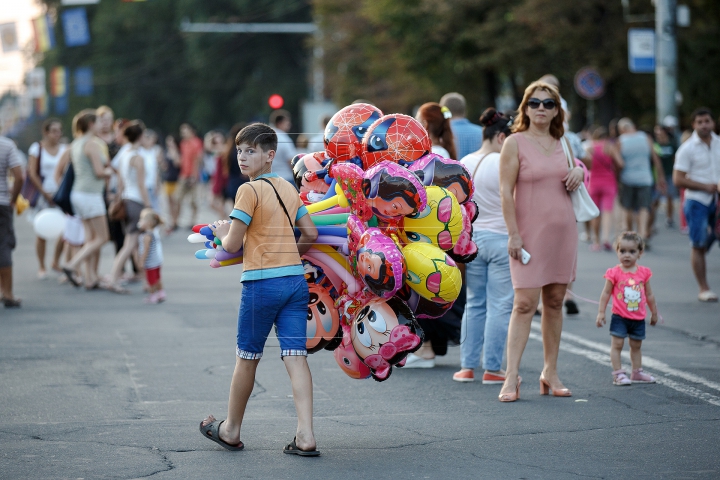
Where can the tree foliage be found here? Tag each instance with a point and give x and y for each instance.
(145, 67)
(402, 53)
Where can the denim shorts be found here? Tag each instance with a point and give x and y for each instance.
(281, 301)
(635, 198)
(701, 221)
(622, 327)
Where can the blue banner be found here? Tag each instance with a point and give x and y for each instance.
(60, 105)
(75, 25)
(83, 79)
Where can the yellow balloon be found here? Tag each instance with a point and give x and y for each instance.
(439, 223)
(432, 273)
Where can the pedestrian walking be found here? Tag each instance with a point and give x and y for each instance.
(90, 163)
(697, 170)
(170, 167)
(191, 157)
(468, 136)
(152, 155)
(636, 178)
(606, 162)
(665, 148)
(274, 287)
(151, 256)
(282, 123)
(43, 157)
(628, 284)
(133, 191)
(535, 187)
(489, 286)
(10, 163)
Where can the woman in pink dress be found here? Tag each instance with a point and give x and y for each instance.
(606, 162)
(535, 181)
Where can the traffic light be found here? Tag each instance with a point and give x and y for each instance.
(276, 101)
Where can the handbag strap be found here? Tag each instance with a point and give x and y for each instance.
(282, 204)
(566, 149)
(478, 166)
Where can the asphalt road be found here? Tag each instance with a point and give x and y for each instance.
(99, 385)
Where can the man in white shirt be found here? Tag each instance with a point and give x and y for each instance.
(281, 122)
(697, 170)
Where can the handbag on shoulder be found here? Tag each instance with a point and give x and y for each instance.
(583, 206)
(62, 196)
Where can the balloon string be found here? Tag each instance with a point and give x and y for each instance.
(662, 320)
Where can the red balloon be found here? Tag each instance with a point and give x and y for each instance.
(394, 138)
(345, 130)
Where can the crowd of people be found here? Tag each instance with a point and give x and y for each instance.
(523, 169)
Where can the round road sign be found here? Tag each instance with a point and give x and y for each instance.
(589, 84)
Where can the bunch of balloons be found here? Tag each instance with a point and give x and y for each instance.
(393, 220)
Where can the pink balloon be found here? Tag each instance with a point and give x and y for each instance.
(433, 169)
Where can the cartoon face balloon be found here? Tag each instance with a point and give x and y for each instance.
(380, 264)
(439, 223)
(345, 131)
(432, 273)
(303, 165)
(394, 138)
(383, 333)
(432, 169)
(392, 191)
(348, 360)
(323, 320)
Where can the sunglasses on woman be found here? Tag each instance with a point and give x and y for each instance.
(548, 103)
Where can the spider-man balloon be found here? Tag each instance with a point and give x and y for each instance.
(345, 131)
(395, 138)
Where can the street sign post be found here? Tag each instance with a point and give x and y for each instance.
(590, 86)
(641, 50)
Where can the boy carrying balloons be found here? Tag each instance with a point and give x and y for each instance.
(275, 292)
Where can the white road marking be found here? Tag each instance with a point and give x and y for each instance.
(604, 359)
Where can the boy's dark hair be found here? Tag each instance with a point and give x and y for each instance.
(700, 112)
(133, 130)
(631, 237)
(258, 135)
(278, 116)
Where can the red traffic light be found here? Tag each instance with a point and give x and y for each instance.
(276, 101)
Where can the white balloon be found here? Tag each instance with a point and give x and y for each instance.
(49, 223)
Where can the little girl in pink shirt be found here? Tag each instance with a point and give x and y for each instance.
(629, 285)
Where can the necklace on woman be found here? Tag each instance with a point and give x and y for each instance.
(547, 150)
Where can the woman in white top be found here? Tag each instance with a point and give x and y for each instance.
(132, 187)
(490, 291)
(47, 152)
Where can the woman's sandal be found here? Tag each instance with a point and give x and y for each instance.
(112, 287)
(71, 277)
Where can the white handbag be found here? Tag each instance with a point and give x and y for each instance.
(585, 209)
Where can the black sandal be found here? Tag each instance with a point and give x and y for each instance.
(211, 431)
(293, 449)
(69, 274)
(11, 302)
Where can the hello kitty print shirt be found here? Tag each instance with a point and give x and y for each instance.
(628, 293)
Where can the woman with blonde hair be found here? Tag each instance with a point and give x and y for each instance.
(535, 186)
(90, 162)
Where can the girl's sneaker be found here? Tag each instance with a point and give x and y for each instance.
(620, 378)
(153, 298)
(161, 295)
(638, 376)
